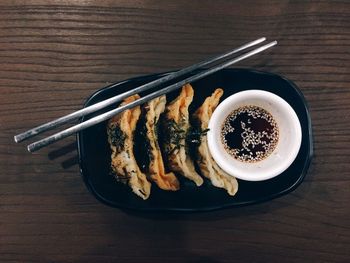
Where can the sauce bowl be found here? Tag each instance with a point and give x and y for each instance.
(287, 146)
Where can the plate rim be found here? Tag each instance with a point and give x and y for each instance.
(292, 187)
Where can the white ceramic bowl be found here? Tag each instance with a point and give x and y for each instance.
(287, 147)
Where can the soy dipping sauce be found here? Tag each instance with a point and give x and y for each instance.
(249, 134)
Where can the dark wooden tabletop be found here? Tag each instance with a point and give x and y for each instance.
(54, 54)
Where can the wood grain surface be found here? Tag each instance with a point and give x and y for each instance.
(54, 54)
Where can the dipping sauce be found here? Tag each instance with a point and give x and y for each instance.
(249, 134)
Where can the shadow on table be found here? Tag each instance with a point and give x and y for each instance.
(202, 259)
(66, 151)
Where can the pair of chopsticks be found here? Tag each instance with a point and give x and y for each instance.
(107, 115)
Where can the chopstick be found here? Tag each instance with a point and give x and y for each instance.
(95, 107)
(107, 115)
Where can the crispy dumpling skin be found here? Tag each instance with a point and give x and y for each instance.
(205, 161)
(176, 127)
(120, 131)
(156, 170)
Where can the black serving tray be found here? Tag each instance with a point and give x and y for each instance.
(94, 152)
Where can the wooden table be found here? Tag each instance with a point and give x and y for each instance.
(54, 54)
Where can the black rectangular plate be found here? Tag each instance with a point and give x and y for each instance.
(94, 152)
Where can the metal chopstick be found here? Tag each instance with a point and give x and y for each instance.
(95, 107)
(105, 116)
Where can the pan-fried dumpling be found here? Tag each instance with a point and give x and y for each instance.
(120, 131)
(176, 127)
(206, 163)
(155, 170)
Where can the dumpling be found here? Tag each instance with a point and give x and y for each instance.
(155, 170)
(176, 127)
(120, 131)
(206, 163)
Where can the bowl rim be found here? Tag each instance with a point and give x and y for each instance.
(261, 170)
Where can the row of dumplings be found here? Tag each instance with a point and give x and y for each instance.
(168, 157)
